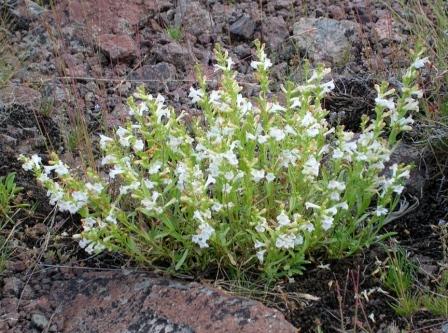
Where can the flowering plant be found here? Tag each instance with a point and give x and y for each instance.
(253, 184)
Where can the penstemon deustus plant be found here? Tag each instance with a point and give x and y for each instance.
(253, 184)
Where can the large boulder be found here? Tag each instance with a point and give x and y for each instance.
(114, 302)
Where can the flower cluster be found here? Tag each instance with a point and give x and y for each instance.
(254, 182)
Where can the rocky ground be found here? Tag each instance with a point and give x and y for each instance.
(72, 67)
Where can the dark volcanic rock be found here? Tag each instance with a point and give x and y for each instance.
(243, 28)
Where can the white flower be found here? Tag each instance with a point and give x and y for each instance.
(270, 177)
(43, 177)
(420, 63)
(33, 162)
(381, 211)
(260, 255)
(80, 197)
(262, 225)
(151, 202)
(259, 244)
(327, 222)
(285, 241)
(154, 167)
(216, 207)
(308, 119)
(257, 175)
(60, 168)
(398, 189)
(276, 108)
(108, 159)
(95, 188)
(262, 139)
(328, 86)
(311, 167)
(283, 219)
(263, 63)
(141, 108)
(117, 170)
(386, 103)
(231, 157)
(277, 133)
(309, 205)
(336, 185)
(195, 95)
(138, 145)
(227, 188)
(204, 233)
(104, 140)
(337, 154)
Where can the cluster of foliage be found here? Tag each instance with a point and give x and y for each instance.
(253, 185)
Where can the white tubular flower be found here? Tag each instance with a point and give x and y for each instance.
(311, 167)
(43, 177)
(231, 157)
(154, 167)
(104, 140)
(204, 233)
(283, 219)
(151, 202)
(309, 205)
(385, 103)
(327, 222)
(262, 225)
(265, 63)
(80, 197)
(96, 188)
(420, 63)
(308, 120)
(274, 108)
(138, 145)
(257, 175)
(328, 86)
(216, 207)
(258, 244)
(277, 134)
(381, 211)
(116, 170)
(260, 255)
(60, 169)
(337, 154)
(195, 95)
(108, 159)
(141, 108)
(31, 163)
(270, 177)
(336, 185)
(285, 241)
(124, 140)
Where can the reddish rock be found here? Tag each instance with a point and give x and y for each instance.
(116, 302)
(117, 47)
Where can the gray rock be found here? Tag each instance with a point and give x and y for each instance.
(12, 286)
(23, 12)
(243, 28)
(275, 31)
(196, 20)
(155, 77)
(175, 54)
(325, 39)
(39, 321)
